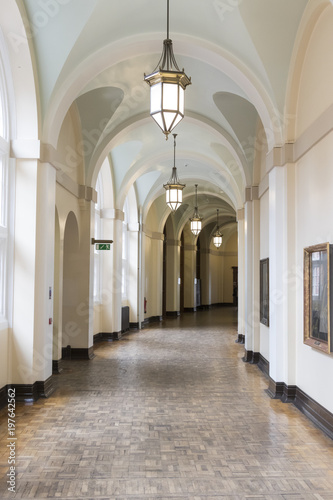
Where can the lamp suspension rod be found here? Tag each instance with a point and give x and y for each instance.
(174, 149)
(168, 20)
(196, 195)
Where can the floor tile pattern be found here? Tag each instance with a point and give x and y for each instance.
(169, 412)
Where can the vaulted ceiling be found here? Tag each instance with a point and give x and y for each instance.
(92, 54)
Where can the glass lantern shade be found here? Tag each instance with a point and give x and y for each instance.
(196, 225)
(174, 195)
(167, 98)
(217, 239)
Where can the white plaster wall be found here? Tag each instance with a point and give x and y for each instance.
(148, 278)
(189, 276)
(316, 83)
(154, 269)
(172, 276)
(264, 253)
(314, 209)
(97, 321)
(132, 275)
(22, 335)
(4, 354)
(216, 277)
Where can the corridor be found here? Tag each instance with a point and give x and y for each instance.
(168, 412)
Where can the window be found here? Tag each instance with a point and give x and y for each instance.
(4, 234)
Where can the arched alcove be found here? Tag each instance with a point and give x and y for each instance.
(71, 284)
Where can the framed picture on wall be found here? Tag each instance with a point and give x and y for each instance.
(318, 297)
(264, 292)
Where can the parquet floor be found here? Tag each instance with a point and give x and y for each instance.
(169, 412)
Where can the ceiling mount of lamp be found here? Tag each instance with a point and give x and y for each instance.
(174, 188)
(167, 88)
(196, 220)
(217, 238)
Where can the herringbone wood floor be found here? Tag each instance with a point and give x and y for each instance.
(169, 412)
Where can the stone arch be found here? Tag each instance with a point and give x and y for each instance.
(308, 32)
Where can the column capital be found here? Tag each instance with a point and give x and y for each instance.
(280, 156)
(251, 193)
(240, 214)
(113, 214)
(87, 193)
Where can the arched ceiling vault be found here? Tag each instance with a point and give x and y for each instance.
(91, 56)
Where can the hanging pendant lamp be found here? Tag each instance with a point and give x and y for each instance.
(196, 220)
(174, 188)
(217, 238)
(167, 88)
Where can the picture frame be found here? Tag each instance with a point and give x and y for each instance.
(318, 297)
(264, 291)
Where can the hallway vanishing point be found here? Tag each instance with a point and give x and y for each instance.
(168, 412)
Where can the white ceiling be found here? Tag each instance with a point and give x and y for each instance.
(93, 54)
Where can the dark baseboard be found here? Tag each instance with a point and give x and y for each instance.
(151, 319)
(46, 388)
(190, 309)
(316, 413)
(97, 338)
(25, 392)
(275, 389)
(57, 366)
(28, 393)
(134, 326)
(172, 314)
(247, 356)
(214, 306)
(240, 339)
(280, 390)
(82, 353)
(3, 397)
(321, 417)
(263, 365)
(113, 335)
(251, 357)
(107, 336)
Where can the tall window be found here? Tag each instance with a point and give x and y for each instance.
(98, 236)
(4, 159)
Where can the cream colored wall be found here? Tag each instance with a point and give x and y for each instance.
(153, 274)
(264, 253)
(189, 276)
(220, 270)
(4, 355)
(315, 92)
(314, 193)
(69, 155)
(216, 261)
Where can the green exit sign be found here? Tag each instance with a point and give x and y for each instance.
(103, 246)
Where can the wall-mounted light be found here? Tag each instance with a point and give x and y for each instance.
(167, 88)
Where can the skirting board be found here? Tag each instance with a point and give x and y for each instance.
(27, 393)
(316, 413)
(78, 353)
